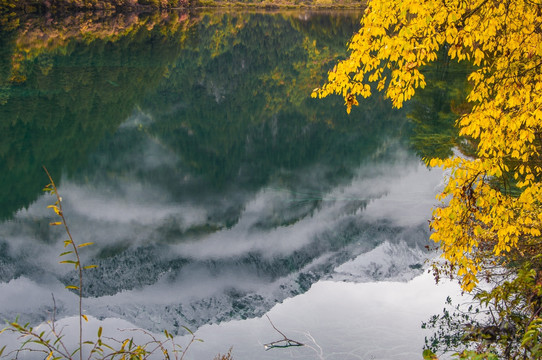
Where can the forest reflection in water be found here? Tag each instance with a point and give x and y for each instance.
(188, 149)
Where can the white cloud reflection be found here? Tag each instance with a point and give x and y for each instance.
(347, 320)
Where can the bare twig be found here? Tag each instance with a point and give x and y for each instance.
(283, 343)
(58, 335)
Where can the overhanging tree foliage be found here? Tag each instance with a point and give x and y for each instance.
(488, 224)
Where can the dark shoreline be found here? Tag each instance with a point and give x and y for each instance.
(66, 7)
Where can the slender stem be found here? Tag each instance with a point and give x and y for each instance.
(53, 327)
(273, 325)
(78, 261)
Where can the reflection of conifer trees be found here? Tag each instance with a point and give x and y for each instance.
(39, 6)
(7, 45)
(330, 28)
(67, 98)
(232, 103)
(435, 109)
(243, 112)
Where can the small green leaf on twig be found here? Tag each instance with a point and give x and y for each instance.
(90, 266)
(72, 287)
(66, 253)
(56, 223)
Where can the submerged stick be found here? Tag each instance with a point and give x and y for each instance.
(283, 343)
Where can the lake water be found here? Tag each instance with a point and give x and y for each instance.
(187, 148)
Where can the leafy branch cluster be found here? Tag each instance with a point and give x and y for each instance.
(488, 224)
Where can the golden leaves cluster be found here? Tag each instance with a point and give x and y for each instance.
(480, 217)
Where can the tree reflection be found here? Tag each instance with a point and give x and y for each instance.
(60, 97)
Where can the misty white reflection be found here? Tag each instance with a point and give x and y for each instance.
(380, 215)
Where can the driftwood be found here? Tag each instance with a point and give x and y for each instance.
(282, 343)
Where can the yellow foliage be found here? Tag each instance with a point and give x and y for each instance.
(478, 216)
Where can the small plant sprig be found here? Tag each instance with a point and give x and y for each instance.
(57, 207)
(50, 343)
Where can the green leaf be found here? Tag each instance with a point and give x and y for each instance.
(109, 347)
(429, 355)
(90, 266)
(72, 287)
(100, 331)
(66, 253)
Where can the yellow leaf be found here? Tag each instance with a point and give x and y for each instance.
(85, 244)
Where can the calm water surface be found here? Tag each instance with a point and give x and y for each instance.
(216, 191)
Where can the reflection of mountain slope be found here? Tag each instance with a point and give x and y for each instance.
(250, 285)
(137, 267)
(231, 272)
(388, 261)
